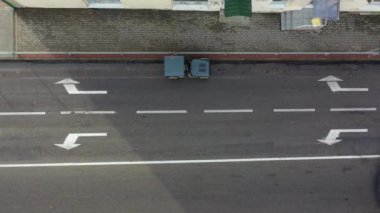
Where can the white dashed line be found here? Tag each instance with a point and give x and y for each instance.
(161, 112)
(353, 109)
(88, 112)
(66, 112)
(207, 161)
(21, 113)
(294, 110)
(228, 111)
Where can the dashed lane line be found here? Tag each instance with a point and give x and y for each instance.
(228, 111)
(161, 112)
(371, 109)
(207, 111)
(21, 113)
(294, 110)
(88, 112)
(181, 162)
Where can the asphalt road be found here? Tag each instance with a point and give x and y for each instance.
(169, 177)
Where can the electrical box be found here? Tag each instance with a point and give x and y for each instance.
(174, 67)
(200, 68)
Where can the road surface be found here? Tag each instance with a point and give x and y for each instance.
(118, 137)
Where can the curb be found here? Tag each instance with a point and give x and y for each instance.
(254, 56)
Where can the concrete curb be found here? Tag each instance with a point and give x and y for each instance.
(6, 56)
(253, 56)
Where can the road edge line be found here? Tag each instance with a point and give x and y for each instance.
(206, 161)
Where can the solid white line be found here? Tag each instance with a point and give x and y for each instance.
(88, 112)
(161, 111)
(294, 110)
(210, 161)
(22, 113)
(352, 109)
(227, 110)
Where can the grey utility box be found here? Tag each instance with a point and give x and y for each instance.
(200, 68)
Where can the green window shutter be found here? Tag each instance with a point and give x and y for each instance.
(238, 8)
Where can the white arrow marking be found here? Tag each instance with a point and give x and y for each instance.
(71, 88)
(330, 78)
(72, 138)
(334, 134)
(334, 86)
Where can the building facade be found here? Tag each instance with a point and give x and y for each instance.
(257, 6)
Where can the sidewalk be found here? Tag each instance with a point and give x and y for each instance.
(41, 30)
(6, 31)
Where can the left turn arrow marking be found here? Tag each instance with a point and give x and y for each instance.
(71, 88)
(334, 86)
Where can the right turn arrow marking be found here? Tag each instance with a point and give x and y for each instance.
(72, 138)
(334, 134)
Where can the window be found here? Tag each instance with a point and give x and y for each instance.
(104, 1)
(105, 4)
(190, 5)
